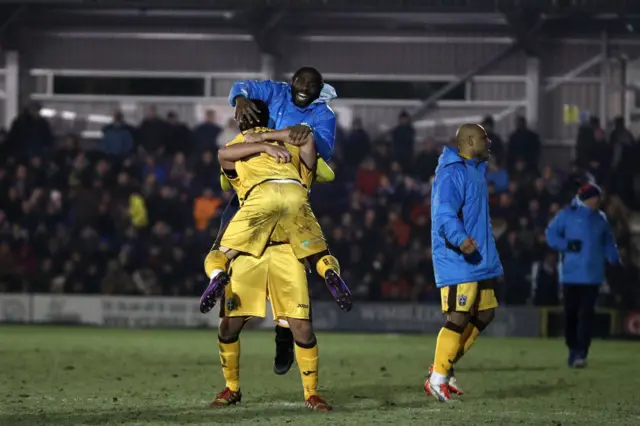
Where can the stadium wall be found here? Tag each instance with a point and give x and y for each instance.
(179, 312)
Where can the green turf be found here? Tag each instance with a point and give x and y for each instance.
(83, 376)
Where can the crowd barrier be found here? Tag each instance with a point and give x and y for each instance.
(182, 312)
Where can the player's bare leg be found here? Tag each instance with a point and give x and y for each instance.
(306, 349)
(229, 348)
(447, 348)
(215, 266)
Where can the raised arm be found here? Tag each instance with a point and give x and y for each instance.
(448, 190)
(229, 154)
(307, 147)
(253, 89)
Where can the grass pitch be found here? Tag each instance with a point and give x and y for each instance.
(84, 376)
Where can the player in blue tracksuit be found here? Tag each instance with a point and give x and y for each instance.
(465, 259)
(302, 106)
(581, 233)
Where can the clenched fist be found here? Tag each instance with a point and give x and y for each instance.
(468, 246)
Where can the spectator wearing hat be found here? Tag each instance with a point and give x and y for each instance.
(583, 236)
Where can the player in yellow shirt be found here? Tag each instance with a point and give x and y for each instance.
(268, 178)
(277, 273)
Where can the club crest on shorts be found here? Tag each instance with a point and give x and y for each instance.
(462, 300)
(232, 303)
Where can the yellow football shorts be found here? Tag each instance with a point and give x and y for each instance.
(270, 205)
(469, 297)
(278, 275)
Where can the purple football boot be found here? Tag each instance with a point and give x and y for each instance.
(339, 290)
(214, 290)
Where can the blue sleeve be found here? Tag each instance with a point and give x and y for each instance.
(448, 198)
(555, 233)
(253, 89)
(610, 246)
(324, 132)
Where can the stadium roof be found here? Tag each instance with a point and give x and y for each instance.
(561, 17)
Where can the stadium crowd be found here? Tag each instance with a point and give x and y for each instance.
(138, 214)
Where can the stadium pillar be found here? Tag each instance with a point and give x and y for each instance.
(532, 91)
(12, 92)
(269, 66)
(605, 77)
(264, 26)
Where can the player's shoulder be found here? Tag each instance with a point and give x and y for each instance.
(238, 139)
(452, 171)
(323, 111)
(279, 86)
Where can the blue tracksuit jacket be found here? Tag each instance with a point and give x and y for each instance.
(284, 113)
(460, 209)
(579, 222)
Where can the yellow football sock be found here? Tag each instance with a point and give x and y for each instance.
(325, 263)
(447, 347)
(230, 361)
(215, 260)
(471, 333)
(307, 359)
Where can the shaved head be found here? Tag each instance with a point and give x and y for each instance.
(473, 141)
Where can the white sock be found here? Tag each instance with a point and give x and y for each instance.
(438, 379)
(215, 273)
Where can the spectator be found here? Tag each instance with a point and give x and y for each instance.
(497, 176)
(152, 132)
(205, 208)
(138, 211)
(368, 178)
(208, 171)
(403, 139)
(179, 137)
(179, 168)
(625, 154)
(586, 141)
(30, 134)
(117, 137)
(357, 145)
(206, 134)
(525, 145)
(497, 146)
(427, 161)
(545, 289)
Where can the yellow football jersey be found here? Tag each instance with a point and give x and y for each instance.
(260, 168)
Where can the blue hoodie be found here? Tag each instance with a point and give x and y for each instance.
(579, 222)
(460, 209)
(284, 113)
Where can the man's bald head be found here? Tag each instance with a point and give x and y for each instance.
(473, 141)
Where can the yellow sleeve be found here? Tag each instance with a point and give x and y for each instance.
(324, 173)
(224, 183)
(224, 180)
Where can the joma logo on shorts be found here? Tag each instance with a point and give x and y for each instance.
(302, 305)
